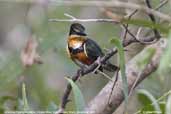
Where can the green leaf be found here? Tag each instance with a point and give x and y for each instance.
(148, 107)
(168, 105)
(120, 48)
(24, 99)
(165, 62)
(151, 98)
(78, 96)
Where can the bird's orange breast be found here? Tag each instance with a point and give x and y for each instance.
(82, 58)
(76, 41)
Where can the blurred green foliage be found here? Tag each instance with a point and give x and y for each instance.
(78, 96)
(120, 49)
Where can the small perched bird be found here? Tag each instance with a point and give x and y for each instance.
(83, 50)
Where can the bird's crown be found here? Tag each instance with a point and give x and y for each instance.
(77, 29)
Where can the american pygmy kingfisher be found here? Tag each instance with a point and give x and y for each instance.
(84, 51)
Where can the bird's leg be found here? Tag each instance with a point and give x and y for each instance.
(114, 83)
(105, 75)
(79, 73)
(97, 70)
(99, 64)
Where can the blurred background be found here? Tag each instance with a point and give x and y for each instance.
(45, 83)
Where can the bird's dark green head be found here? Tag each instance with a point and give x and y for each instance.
(77, 29)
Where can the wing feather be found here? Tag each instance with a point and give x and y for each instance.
(92, 49)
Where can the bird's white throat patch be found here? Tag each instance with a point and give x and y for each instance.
(77, 45)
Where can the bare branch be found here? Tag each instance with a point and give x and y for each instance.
(164, 2)
(83, 20)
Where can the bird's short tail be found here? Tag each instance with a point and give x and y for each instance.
(110, 67)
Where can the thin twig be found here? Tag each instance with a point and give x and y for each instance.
(156, 33)
(105, 75)
(161, 4)
(70, 16)
(83, 20)
(126, 26)
(114, 83)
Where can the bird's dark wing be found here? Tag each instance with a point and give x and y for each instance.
(92, 49)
